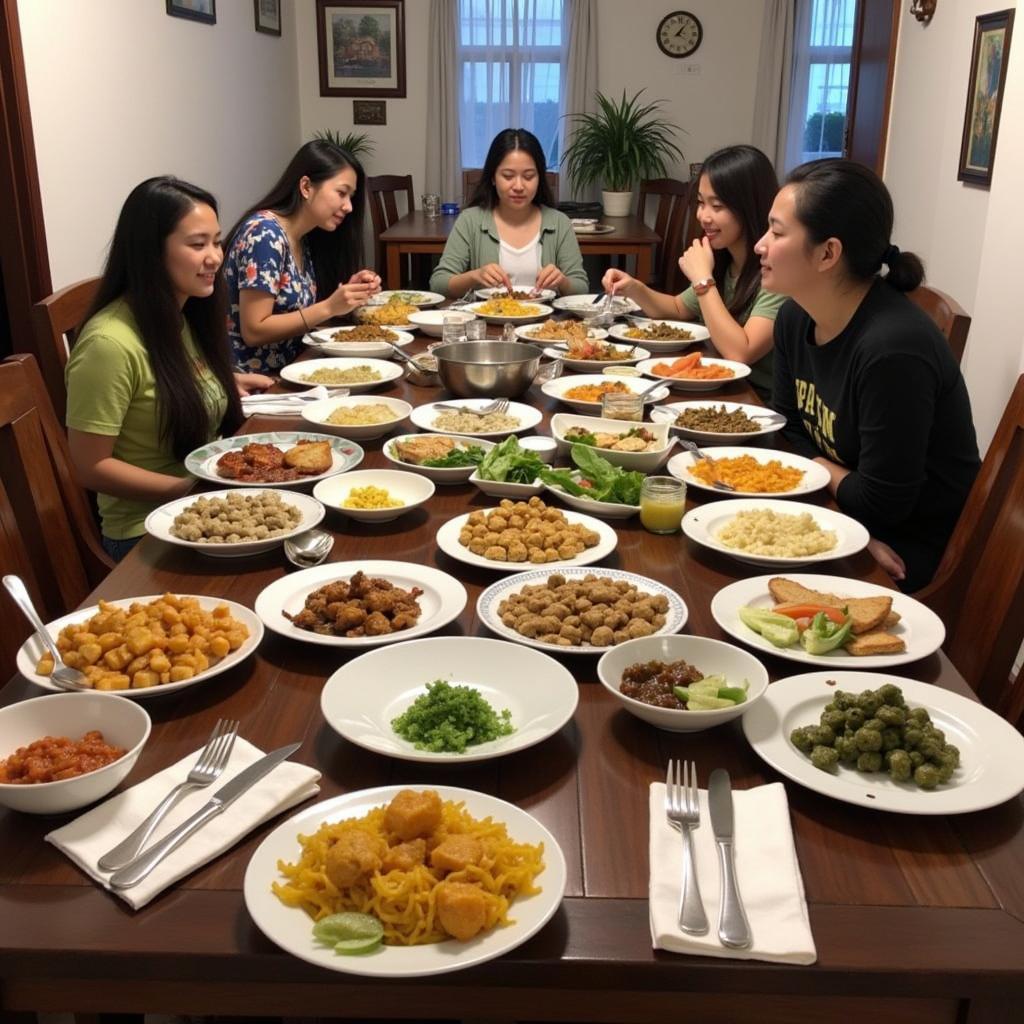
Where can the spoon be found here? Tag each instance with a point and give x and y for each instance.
(309, 548)
(716, 480)
(407, 358)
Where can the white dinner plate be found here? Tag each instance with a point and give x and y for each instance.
(585, 305)
(410, 297)
(448, 542)
(542, 311)
(325, 343)
(669, 412)
(543, 295)
(697, 332)
(160, 521)
(203, 461)
(540, 693)
(439, 474)
(488, 602)
(702, 524)
(991, 750)
(815, 475)
(596, 365)
(525, 333)
(316, 414)
(297, 373)
(423, 416)
(739, 371)
(292, 929)
(442, 600)
(560, 385)
(32, 650)
(593, 229)
(919, 627)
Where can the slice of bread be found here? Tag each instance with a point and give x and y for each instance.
(875, 642)
(866, 613)
(312, 457)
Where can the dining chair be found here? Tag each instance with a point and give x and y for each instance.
(47, 533)
(950, 317)
(471, 178)
(56, 321)
(383, 191)
(978, 589)
(670, 218)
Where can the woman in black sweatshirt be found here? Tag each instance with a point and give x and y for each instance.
(866, 381)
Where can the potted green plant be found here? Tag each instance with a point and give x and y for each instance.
(359, 144)
(623, 143)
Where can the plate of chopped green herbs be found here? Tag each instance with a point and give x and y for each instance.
(449, 699)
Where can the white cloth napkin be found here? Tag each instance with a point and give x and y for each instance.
(767, 871)
(287, 405)
(90, 836)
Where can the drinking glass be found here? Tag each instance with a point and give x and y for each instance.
(431, 203)
(476, 330)
(618, 406)
(453, 329)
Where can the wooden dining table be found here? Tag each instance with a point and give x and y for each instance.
(915, 918)
(416, 233)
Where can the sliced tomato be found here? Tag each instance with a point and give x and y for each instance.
(808, 611)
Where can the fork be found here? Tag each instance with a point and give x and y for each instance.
(682, 808)
(467, 298)
(499, 405)
(62, 676)
(208, 767)
(716, 481)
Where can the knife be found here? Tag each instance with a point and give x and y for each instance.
(733, 929)
(136, 870)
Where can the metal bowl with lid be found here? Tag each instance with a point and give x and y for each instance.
(487, 369)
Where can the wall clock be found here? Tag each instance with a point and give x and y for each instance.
(679, 34)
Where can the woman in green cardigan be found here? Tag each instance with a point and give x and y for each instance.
(510, 235)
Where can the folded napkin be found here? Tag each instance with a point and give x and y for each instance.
(766, 868)
(90, 836)
(287, 405)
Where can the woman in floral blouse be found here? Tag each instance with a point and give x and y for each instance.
(293, 257)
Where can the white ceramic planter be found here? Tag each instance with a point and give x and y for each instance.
(617, 204)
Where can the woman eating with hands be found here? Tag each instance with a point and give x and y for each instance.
(510, 236)
(734, 193)
(293, 257)
(867, 382)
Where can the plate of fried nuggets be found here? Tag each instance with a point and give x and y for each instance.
(888, 628)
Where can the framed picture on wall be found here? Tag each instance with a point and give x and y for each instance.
(985, 96)
(195, 10)
(361, 47)
(268, 16)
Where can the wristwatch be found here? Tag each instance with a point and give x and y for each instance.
(702, 287)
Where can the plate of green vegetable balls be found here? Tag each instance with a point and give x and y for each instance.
(889, 743)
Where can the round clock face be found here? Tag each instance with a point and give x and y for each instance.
(679, 34)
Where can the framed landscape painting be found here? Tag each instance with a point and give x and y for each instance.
(194, 10)
(985, 96)
(361, 47)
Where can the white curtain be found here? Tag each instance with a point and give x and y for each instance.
(580, 61)
(443, 152)
(774, 81)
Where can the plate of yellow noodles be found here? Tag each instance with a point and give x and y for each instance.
(453, 876)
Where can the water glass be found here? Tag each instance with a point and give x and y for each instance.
(618, 406)
(476, 330)
(453, 328)
(431, 203)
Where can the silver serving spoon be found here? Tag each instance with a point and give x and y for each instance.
(716, 480)
(309, 548)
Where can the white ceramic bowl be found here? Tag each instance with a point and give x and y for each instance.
(542, 312)
(411, 489)
(601, 509)
(431, 321)
(457, 475)
(425, 417)
(584, 306)
(669, 412)
(544, 295)
(316, 413)
(642, 462)
(739, 371)
(545, 447)
(560, 385)
(697, 332)
(504, 489)
(712, 657)
(297, 373)
(325, 341)
(124, 723)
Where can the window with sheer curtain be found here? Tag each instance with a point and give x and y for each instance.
(822, 58)
(510, 64)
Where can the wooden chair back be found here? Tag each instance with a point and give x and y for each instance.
(47, 533)
(950, 317)
(670, 218)
(978, 590)
(383, 191)
(56, 321)
(471, 178)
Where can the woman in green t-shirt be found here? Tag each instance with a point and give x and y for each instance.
(149, 378)
(734, 194)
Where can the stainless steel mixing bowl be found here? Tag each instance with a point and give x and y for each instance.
(487, 369)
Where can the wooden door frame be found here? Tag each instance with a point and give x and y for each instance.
(23, 253)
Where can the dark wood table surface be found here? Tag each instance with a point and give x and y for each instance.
(915, 918)
(415, 233)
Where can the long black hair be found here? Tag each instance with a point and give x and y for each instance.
(337, 254)
(846, 200)
(508, 141)
(743, 178)
(136, 271)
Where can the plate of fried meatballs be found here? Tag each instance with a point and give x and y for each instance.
(282, 458)
(361, 604)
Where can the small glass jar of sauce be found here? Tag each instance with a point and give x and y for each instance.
(662, 503)
(616, 405)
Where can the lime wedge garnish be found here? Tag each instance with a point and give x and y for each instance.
(349, 932)
(356, 947)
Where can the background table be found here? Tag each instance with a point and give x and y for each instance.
(915, 918)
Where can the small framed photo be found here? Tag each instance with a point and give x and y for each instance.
(195, 10)
(361, 47)
(985, 97)
(369, 112)
(268, 16)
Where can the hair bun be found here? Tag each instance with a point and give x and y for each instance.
(891, 255)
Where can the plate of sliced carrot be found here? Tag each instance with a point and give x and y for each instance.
(694, 372)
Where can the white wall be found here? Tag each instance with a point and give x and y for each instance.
(119, 92)
(964, 233)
